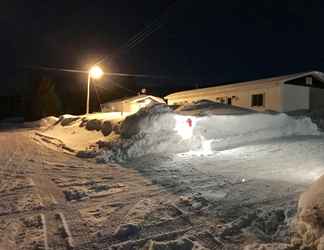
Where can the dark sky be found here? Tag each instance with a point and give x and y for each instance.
(207, 41)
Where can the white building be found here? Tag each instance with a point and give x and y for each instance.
(130, 105)
(302, 91)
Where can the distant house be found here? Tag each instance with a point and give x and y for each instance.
(130, 105)
(302, 91)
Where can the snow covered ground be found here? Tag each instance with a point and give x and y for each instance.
(231, 162)
(77, 133)
(160, 130)
(244, 175)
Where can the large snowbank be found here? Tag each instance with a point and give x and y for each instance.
(309, 226)
(231, 130)
(207, 107)
(42, 123)
(157, 129)
(151, 130)
(144, 120)
(82, 132)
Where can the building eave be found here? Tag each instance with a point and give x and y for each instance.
(266, 82)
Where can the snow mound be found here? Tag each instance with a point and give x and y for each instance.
(144, 119)
(158, 129)
(207, 107)
(309, 227)
(150, 130)
(223, 131)
(92, 122)
(83, 132)
(42, 123)
(67, 120)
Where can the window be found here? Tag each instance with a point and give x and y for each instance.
(229, 100)
(257, 100)
(309, 80)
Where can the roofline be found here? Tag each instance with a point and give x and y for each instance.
(140, 97)
(271, 80)
(147, 96)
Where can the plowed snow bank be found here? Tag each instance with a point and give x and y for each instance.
(309, 226)
(82, 132)
(230, 130)
(157, 129)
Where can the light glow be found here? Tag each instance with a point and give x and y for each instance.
(184, 126)
(96, 72)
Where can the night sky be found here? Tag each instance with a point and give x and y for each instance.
(196, 42)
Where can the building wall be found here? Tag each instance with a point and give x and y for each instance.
(294, 97)
(125, 106)
(117, 107)
(241, 97)
(316, 98)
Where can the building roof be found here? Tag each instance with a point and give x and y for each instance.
(137, 98)
(271, 80)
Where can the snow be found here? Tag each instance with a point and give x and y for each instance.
(83, 132)
(244, 166)
(42, 123)
(207, 107)
(232, 130)
(158, 129)
(248, 163)
(309, 222)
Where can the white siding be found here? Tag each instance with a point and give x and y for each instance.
(243, 95)
(272, 99)
(294, 97)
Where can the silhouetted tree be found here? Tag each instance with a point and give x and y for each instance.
(44, 101)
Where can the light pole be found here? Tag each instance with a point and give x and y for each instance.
(95, 72)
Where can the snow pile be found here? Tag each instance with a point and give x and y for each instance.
(157, 129)
(225, 131)
(151, 130)
(309, 226)
(207, 107)
(42, 123)
(66, 120)
(144, 120)
(82, 132)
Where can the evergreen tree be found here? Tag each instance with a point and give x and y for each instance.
(45, 101)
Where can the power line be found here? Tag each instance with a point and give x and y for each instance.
(56, 69)
(119, 86)
(149, 29)
(109, 73)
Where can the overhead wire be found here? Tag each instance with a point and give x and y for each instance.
(119, 86)
(136, 39)
(149, 29)
(107, 73)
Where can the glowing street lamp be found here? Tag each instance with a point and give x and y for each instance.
(95, 72)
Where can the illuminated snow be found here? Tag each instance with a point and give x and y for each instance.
(204, 150)
(182, 126)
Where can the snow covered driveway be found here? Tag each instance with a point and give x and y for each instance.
(244, 171)
(230, 164)
(269, 173)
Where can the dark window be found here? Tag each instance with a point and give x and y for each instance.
(229, 101)
(257, 100)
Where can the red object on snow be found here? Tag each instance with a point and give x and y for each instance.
(189, 121)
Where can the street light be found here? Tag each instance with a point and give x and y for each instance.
(95, 72)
